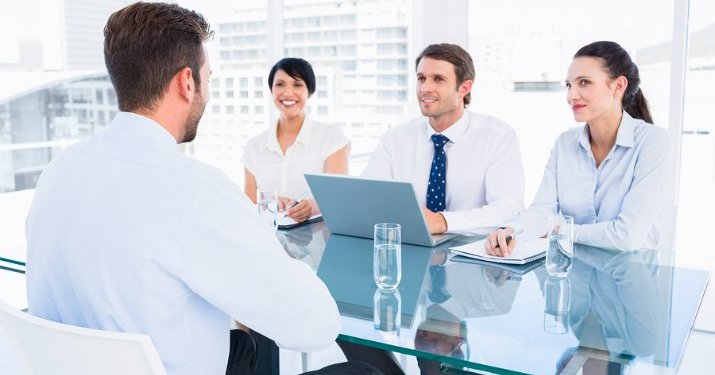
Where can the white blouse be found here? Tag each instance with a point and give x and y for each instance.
(263, 157)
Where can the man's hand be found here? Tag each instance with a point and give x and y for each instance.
(496, 244)
(435, 221)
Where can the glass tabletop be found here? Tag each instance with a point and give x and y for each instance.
(614, 311)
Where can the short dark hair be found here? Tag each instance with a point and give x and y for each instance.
(146, 44)
(296, 68)
(455, 55)
(617, 62)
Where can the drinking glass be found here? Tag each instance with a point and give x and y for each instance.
(557, 295)
(267, 203)
(559, 255)
(387, 259)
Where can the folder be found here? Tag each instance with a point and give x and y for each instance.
(285, 222)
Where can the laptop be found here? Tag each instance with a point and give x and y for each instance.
(352, 206)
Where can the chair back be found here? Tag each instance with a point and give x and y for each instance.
(45, 347)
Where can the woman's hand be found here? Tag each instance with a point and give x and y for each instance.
(496, 243)
(300, 212)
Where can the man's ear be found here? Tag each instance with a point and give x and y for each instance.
(465, 88)
(183, 81)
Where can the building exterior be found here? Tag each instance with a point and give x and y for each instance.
(82, 27)
(39, 120)
(358, 49)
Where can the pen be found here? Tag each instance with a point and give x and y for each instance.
(297, 202)
(509, 237)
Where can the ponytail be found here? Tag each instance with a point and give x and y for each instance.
(637, 106)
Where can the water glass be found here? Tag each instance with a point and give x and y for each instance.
(387, 310)
(557, 295)
(267, 203)
(559, 255)
(387, 259)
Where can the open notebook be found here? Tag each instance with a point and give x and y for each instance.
(285, 222)
(525, 251)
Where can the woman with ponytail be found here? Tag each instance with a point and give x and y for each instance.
(607, 174)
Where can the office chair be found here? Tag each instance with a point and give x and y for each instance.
(45, 347)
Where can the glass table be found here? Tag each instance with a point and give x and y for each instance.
(616, 311)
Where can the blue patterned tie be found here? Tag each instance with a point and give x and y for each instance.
(437, 187)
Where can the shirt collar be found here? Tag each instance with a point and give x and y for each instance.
(455, 132)
(304, 135)
(306, 130)
(626, 131)
(625, 136)
(144, 129)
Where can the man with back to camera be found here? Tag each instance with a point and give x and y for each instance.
(465, 167)
(127, 234)
(478, 154)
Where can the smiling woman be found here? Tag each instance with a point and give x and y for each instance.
(277, 158)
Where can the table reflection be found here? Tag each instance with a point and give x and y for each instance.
(623, 308)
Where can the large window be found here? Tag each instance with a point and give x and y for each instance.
(55, 89)
(697, 177)
(522, 50)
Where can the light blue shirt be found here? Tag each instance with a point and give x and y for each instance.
(615, 205)
(127, 234)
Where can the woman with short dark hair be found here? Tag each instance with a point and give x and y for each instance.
(295, 144)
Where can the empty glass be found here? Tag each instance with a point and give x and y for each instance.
(387, 310)
(557, 295)
(387, 260)
(267, 203)
(559, 255)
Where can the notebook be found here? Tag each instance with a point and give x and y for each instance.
(285, 222)
(524, 252)
(519, 269)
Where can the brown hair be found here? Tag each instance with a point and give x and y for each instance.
(146, 44)
(617, 62)
(455, 55)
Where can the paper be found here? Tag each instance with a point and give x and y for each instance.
(285, 222)
(525, 251)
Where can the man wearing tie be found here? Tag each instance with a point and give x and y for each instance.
(466, 167)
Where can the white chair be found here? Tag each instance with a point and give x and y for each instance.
(45, 347)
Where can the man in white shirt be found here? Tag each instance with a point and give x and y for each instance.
(127, 234)
(466, 167)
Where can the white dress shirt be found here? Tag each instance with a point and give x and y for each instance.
(485, 175)
(615, 205)
(315, 142)
(127, 234)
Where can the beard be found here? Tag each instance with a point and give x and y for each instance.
(192, 122)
